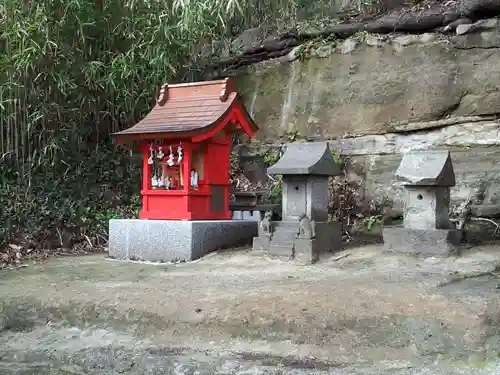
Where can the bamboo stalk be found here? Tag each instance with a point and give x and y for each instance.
(73, 66)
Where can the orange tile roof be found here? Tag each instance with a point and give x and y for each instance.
(188, 109)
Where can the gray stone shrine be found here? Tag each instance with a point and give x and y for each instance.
(304, 230)
(427, 177)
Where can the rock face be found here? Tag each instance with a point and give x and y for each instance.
(372, 89)
(376, 97)
(474, 151)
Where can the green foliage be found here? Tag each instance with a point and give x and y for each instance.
(302, 4)
(277, 191)
(371, 222)
(78, 198)
(73, 71)
(360, 37)
(347, 203)
(271, 157)
(292, 135)
(75, 63)
(276, 195)
(336, 156)
(304, 51)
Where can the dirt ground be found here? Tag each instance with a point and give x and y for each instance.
(236, 313)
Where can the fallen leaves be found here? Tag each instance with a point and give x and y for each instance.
(16, 255)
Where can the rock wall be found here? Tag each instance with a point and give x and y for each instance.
(375, 97)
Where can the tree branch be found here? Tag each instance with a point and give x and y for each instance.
(496, 232)
(462, 214)
(442, 17)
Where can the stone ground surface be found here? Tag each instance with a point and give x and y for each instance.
(234, 313)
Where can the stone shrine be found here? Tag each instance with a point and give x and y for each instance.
(304, 230)
(427, 177)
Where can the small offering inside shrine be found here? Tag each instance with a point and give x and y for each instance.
(186, 142)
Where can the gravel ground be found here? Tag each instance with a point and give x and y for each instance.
(235, 313)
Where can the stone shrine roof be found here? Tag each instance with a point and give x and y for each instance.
(188, 109)
(306, 158)
(426, 168)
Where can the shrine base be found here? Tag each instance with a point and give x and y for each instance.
(175, 240)
(421, 241)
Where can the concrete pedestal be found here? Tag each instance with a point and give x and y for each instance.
(261, 243)
(421, 241)
(176, 240)
(306, 251)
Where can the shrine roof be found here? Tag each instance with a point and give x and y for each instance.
(313, 158)
(189, 109)
(426, 168)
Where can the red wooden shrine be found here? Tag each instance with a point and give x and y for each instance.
(186, 142)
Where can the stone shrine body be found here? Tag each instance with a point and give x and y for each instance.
(185, 141)
(304, 230)
(427, 177)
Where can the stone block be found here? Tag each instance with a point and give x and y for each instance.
(261, 243)
(305, 194)
(421, 241)
(247, 215)
(283, 251)
(175, 240)
(328, 236)
(427, 207)
(306, 251)
(257, 216)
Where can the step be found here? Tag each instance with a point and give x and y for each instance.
(286, 223)
(281, 243)
(284, 236)
(286, 229)
(234, 206)
(284, 251)
(286, 232)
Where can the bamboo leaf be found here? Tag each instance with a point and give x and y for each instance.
(75, 70)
